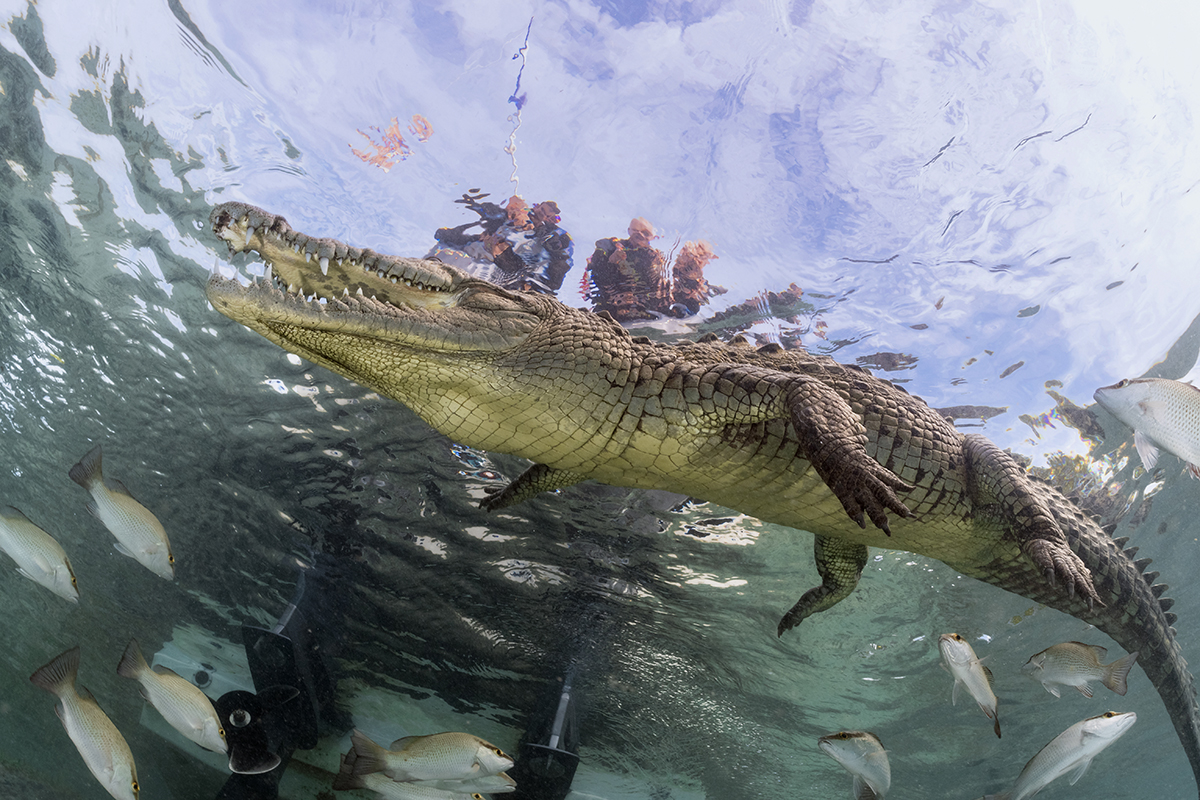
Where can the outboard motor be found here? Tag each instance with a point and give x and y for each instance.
(291, 705)
(549, 750)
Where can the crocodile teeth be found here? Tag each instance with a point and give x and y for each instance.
(324, 265)
(307, 256)
(249, 233)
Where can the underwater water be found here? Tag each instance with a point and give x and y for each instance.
(991, 204)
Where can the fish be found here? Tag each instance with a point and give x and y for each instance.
(181, 703)
(438, 756)
(863, 756)
(388, 789)
(138, 532)
(39, 557)
(959, 660)
(1069, 753)
(1163, 414)
(102, 746)
(1076, 663)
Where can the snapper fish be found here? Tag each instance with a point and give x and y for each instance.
(138, 532)
(1076, 663)
(102, 746)
(181, 703)
(1069, 753)
(388, 789)
(863, 756)
(960, 661)
(436, 757)
(39, 557)
(1163, 414)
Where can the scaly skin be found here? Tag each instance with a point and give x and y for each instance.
(785, 436)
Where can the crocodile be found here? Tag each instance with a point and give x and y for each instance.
(782, 435)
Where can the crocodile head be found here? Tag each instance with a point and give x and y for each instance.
(416, 330)
(318, 290)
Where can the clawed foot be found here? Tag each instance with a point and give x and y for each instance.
(1063, 567)
(868, 488)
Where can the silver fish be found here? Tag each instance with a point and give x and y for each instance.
(138, 532)
(863, 756)
(180, 702)
(103, 748)
(1076, 663)
(39, 557)
(959, 659)
(1163, 414)
(438, 756)
(1069, 753)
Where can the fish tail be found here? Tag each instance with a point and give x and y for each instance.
(997, 726)
(346, 779)
(1116, 673)
(368, 756)
(133, 663)
(87, 471)
(12, 513)
(58, 676)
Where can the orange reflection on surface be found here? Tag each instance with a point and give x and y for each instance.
(420, 128)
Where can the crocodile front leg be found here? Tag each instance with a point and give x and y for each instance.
(834, 441)
(533, 481)
(840, 564)
(999, 487)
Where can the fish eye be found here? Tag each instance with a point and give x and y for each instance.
(1121, 384)
(1109, 714)
(134, 785)
(170, 559)
(220, 732)
(74, 582)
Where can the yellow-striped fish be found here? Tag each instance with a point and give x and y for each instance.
(99, 742)
(863, 756)
(439, 756)
(180, 702)
(39, 557)
(959, 659)
(1075, 664)
(1163, 414)
(138, 532)
(1069, 753)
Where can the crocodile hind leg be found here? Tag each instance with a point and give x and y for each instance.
(1000, 487)
(840, 564)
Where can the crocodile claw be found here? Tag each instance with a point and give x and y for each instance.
(870, 491)
(1061, 564)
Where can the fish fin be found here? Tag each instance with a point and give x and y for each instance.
(21, 571)
(161, 670)
(997, 725)
(1146, 449)
(93, 509)
(862, 791)
(1116, 673)
(1084, 689)
(14, 514)
(115, 486)
(58, 675)
(954, 692)
(88, 470)
(1101, 652)
(86, 694)
(1078, 772)
(369, 756)
(133, 663)
(1195, 470)
(991, 679)
(402, 742)
(1052, 689)
(123, 550)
